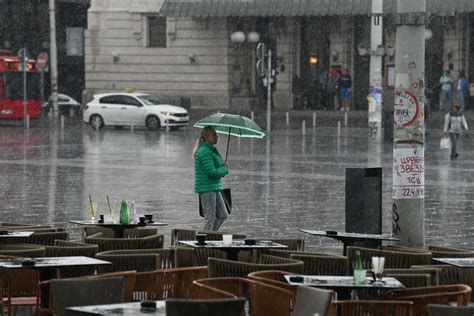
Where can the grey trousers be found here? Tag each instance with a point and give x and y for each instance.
(213, 207)
(454, 143)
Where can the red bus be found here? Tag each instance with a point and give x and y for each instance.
(11, 88)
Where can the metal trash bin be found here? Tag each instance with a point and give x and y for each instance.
(364, 200)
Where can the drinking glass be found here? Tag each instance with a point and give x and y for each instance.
(113, 213)
(377, 267)
(93, 210)
(227, 239)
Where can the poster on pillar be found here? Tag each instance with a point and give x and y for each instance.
(375, 102)
(408, 173)
(406, 108)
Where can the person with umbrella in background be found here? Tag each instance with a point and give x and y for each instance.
(209, 168)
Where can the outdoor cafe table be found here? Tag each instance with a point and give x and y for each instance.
(232, 250)
(122, 309)
(350, 239)
(117, 228)
(47, 268)
(343, 284)
(16, 234)
(457, 262)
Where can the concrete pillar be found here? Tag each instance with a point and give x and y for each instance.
(375, 89)
(408, 147)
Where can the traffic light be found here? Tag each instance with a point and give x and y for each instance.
(261, 53)
(23, 57)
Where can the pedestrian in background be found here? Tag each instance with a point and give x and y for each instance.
(345, 84)
(446, 82)
(454, 121)
(208, 171)
(331, 90)
(462, 89)
(323, 90)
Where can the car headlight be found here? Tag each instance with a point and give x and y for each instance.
(167, 113)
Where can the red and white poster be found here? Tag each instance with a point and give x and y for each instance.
(408, 173)
(406, 108)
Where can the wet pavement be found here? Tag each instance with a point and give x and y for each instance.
(280, 184)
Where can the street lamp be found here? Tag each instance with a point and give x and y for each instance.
(237, 37)
(241, 76)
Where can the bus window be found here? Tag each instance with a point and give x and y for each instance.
(13, 85)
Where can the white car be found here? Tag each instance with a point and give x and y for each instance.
(139, 109)
(65, 105)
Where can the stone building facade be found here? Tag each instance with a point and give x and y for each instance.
(188, 57)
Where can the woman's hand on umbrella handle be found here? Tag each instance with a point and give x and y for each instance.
(226, 163)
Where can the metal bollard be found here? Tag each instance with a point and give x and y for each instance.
(314, 119)
(303, 126)
(71, 112)
(338, 128)
(62, 121)
(132, 127)
(27, 121)
(345, 119)
(287, 118)
(252, 116)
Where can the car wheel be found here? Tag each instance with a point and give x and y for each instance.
(96, 121)
(152, 123)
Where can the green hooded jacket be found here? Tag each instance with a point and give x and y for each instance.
(208, 169)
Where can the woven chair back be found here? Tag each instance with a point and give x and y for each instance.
(66, 292)
(447, 310)
(458, 294)
(167, 283)
(264, 299)
(374, 308)
(208, 307)
(323, 265)
(229, 268)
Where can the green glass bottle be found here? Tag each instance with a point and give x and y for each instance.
(124, 212)
(359, 272)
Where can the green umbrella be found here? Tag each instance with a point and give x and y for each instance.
(231, 124)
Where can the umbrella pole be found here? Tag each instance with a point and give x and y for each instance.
(228, 141)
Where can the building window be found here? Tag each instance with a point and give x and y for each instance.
(156, 31)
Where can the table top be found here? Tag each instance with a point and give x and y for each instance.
(331, 281)
(344, 235)
(458, 262)
(13, 233)
(123, 309)
(48, 262)
(236, 244)
(115, 224)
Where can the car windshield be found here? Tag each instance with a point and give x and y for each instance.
(148, 100)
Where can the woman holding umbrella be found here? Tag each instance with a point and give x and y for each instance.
(208, 171)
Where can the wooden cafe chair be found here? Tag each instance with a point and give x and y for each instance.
(230, 268)
(447, 310)
(86, 291)
(149, 242)
(374, 308)
(459, 294)
(167, 283)
(264, 299)
(312, 301)
(205, 307)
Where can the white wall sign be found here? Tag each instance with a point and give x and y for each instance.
(75, 41)
(406, 108)
(408, 173)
